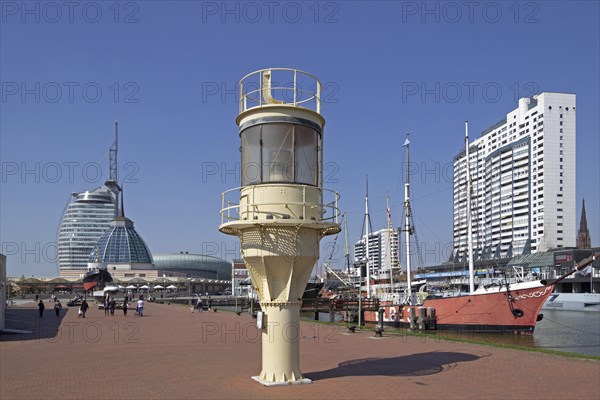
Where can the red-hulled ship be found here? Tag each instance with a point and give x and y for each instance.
(499, 310)
(513, 308)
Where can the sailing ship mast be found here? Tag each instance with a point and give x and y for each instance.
(347, 246)
(389, 240)
(469, 220)
(367, 223)
(407, 228)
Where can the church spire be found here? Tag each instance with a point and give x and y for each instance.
(583, 236)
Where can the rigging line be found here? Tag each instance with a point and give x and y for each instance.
(400, 181)
(422, 152)
(417, 244)
(396, 205)
(422, 222)
(334, 242)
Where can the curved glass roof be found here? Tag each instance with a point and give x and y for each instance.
(121, 244)
(186, 262)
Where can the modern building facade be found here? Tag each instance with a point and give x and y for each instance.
(4, 288)
(383, 251)
(523, 174)
(240, 283)
(87, 216)
(193, 265)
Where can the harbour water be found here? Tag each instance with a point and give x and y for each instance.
(566, 331)
(571, 331)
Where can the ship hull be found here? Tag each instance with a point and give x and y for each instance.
(499, 311)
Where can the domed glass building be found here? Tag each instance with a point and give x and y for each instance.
(194, 265)
(120, 243)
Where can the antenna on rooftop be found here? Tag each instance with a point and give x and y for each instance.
(113, 162)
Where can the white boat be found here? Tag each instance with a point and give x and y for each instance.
(573, 302)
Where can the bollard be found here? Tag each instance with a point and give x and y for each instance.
(412, 316)
(378, 331)
(352, 329)
(432, 323)
(380, 319)
(422, 320)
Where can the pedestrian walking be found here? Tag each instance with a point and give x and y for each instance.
(125, 306)
(41, 308)
(112, 306)
(84, 307)
(140, 307)
(57, 308)
(106, 305)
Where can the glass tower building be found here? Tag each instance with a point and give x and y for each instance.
(88, 215)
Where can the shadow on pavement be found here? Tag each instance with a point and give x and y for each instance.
(28, 319)
(413, 365)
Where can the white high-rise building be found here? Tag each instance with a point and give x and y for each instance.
(383, 251)
(85, 219)
(523, 173)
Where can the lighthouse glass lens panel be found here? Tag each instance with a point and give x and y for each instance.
(277, 162)
(251, 173)
(306, 155)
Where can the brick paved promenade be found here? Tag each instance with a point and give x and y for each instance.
(173, 354)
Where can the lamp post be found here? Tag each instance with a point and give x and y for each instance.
(280, 214)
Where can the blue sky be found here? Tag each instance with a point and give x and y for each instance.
(167, 72)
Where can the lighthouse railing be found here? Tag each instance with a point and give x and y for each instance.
(287, 86)
(232, 210)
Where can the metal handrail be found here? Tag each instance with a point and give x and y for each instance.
(251, 96)
(332, 206)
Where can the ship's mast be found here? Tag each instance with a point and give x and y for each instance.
(389, 241)
(367, 223)
(469, 219)
(347, 246)
(407, 228)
